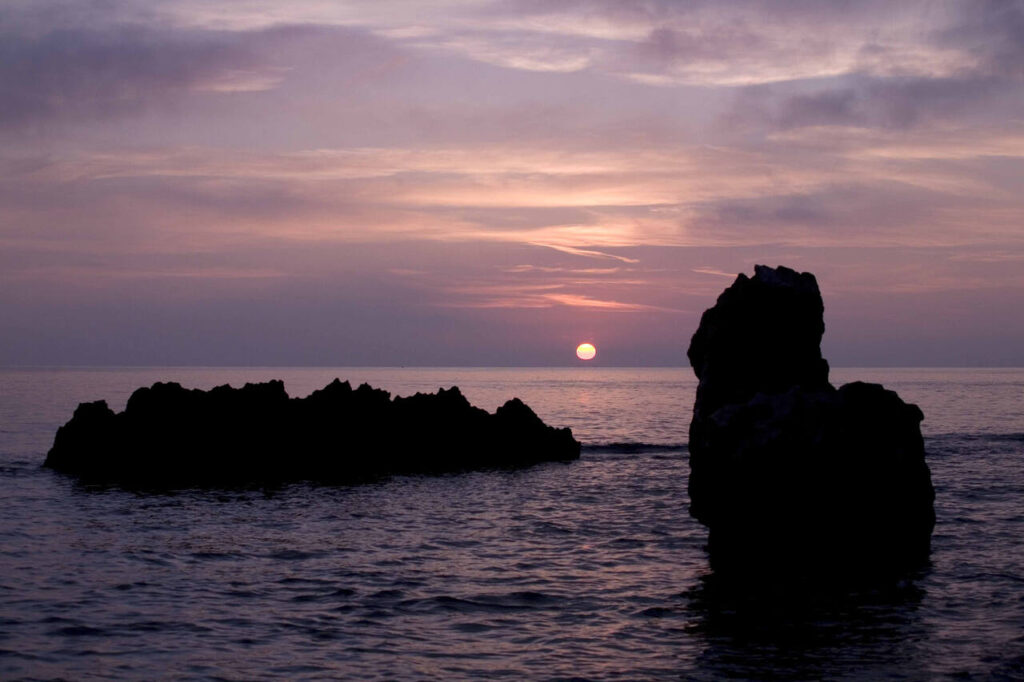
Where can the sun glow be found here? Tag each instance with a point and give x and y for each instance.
(586, 351)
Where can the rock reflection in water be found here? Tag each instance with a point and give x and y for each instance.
(782, 632)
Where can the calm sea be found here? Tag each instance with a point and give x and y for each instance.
(589, 570)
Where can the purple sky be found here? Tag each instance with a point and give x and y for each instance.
(490, 183)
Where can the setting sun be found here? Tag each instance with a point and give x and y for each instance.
(586, 351)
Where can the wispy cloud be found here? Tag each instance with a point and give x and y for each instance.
(713, 271)
(542, 296)
(587, 253)
(580, 301)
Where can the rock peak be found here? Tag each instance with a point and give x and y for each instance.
(781, 276)
(764, 333)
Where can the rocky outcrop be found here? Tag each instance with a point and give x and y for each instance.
(169, 435)
(787, 471)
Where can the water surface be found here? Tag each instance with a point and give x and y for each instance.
(591, 570)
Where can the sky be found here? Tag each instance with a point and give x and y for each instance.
(399, 182)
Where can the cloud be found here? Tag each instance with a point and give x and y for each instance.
(714, 271)
(809, 185)
(581, 301)
(111, 72)
(116, 68)
(887, 103)
(993, 32)
(740, 42)
(852, 214)
(528, 51)
(541, 296)
(588, 253)
(964, 64)
(118, 55)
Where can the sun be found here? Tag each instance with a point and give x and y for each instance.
(586, 351)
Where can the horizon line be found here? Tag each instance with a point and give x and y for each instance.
(573, 366)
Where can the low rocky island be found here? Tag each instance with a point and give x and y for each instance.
(790, 474)
(170, 435)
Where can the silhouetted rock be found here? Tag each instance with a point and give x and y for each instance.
(169, 435)
(790, 474)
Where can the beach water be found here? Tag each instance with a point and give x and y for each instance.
(587, 570)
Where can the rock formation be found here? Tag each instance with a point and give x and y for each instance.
(788, 472)
(169, 435)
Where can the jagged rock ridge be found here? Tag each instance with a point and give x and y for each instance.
(172, 435)
(787, 471)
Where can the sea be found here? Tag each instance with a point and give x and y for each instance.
(591, 570)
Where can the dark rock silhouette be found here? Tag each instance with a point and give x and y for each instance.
(788, 472)
(169, 435)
